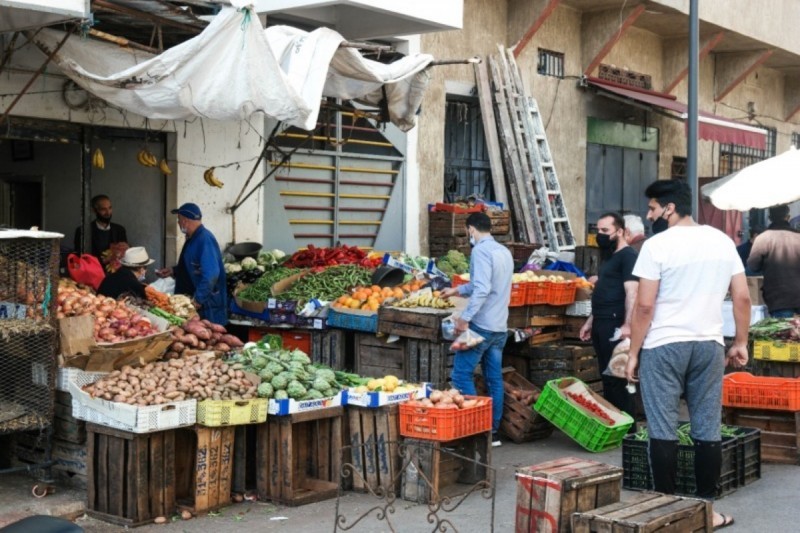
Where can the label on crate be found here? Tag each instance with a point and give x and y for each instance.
(378, 399)
(290, 406)
(12, 311)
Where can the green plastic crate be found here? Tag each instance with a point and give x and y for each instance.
(585, 429)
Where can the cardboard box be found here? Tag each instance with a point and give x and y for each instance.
(76, 334)
(756, 285)
(379, 399)
(290, 406)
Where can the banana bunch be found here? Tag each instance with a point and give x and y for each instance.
(164, 167)
(425, 301)
(211, 179)
(98, 160)
(146, 158)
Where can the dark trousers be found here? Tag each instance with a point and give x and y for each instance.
(613, 388)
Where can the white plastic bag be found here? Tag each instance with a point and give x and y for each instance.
(449, 327)
(165, 285)
(619, 360)
(467, 340)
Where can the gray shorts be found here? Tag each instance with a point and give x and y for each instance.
(694, 369)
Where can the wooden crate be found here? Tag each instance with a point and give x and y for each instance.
(548, 493)
(131, 476)
(429, 361)
(69, 459)
(775, 369)
(415, 325)
(298, 457)
(648, 512)
(520, 422)
(588, 259)
(444, 224)
(375, 357)
(244, 459)
(780, 432)
(572, 328)
(518, 317)
(204, 468)
(329, 347)
(440, 250)
(441, 474)
(65, 426)
(373, 435)
(553, 361)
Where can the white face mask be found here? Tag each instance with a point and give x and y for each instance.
(183, 230)
(472, 240)
(142, 277)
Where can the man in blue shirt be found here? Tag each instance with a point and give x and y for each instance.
(489, 290)
(200, 272)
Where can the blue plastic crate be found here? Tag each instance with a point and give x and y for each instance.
(355, 321)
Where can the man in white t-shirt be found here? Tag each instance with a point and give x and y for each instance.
(684, 273)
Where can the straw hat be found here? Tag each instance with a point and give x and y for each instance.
(136, 257)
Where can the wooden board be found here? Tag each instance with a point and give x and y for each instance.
(244, 459)
(131, 477)
(375, 357)
(648, 512)
(549, 493)
(518, 317)
(373, 435)
(426, 325)
(204, 471)
(776, 369)
(444, 475)
(429, 362)
(490, 131)
(780, 432)
(329, 348)
(298, 457)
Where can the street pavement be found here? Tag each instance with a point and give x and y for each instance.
(769, 504)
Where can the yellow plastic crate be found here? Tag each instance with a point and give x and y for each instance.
(215, 413)
(774, 351)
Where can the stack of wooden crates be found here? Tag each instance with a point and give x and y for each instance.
(448, 231)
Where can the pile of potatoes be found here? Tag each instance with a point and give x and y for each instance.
(449, 399)
(197, 334)
(200, 376)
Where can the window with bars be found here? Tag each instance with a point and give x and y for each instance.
(678, 168)
(796, 139)
(551, 63)
(733, 157)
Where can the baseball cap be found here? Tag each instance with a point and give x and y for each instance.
(189, 210)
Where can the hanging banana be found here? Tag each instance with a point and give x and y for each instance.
(211, 179)
(146, 159)
(98, 160)
(164, 167)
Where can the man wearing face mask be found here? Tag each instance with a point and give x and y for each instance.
(200, 272)
(612, 304)
(489, 290)
(676, 335)
(129, 278)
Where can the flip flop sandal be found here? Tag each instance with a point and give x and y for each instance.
(726, 521)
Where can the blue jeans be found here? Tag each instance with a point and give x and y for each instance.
(784, 313)
(489, 354)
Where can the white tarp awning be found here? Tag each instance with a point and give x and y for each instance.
(235, 68)
(769, 182)
(17, 15)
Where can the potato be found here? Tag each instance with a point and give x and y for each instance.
(160, 520)
(222, 347)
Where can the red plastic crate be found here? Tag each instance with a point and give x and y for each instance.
(743, 389)
(518, 294)
(453, 208)
(536, 293)
(435, 423)
(457, 281)
(560, 293)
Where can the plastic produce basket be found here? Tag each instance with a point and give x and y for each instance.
(433, 423)
(537, 293)
(215, 413)
(518, 294)
(80, 377)
(773, 351)
(743, 389)
(636, 467)
(585, 429)
(148, 419)
(355, 321)
(560, 293)
(748, 455)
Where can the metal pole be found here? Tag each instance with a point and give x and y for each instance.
(691, 120)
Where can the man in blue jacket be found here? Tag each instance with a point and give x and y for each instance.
(200, 272)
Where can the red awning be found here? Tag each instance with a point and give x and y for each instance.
(711, 127)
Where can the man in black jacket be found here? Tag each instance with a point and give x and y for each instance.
(103, 232)
(129, 278)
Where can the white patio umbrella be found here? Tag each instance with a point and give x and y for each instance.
(770, 182)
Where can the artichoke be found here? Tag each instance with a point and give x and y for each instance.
(265, 390)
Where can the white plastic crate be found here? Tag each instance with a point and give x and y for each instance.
(65, 376)
(132, 418)
(582, 308)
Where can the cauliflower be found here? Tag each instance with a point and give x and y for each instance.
(232, 268)
(248, 263)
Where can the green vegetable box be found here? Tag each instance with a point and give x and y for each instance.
(290, 406)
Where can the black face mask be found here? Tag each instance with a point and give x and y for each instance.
(660, 225)
(605, 242)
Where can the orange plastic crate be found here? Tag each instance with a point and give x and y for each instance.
(743, 389)
(518, 294)
(561, 293)
(434, 423)
(537, 293)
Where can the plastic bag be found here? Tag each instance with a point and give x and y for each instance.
(619, 360)
(449, 327)
(165, 285)
(86, 269)
(466, 341)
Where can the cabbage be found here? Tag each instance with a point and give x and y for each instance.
(248, 263)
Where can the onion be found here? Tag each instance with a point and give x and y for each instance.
(436, 396)
(119, 313)
(86, 300)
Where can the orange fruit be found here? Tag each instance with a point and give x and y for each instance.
(374, 306)
(436, 294)
(376, 288)
(406, 287)
(354, 304)
(398, 293)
